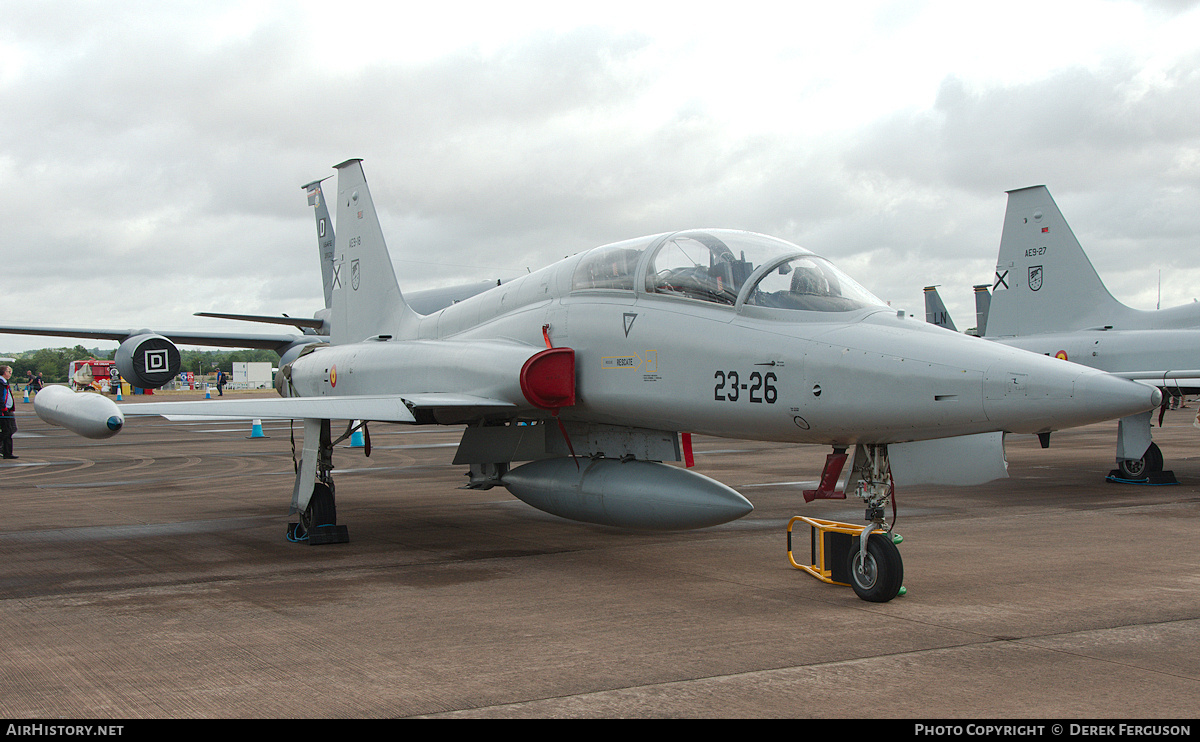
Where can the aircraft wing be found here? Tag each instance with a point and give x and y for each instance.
(1164, 376)
(398, 408)
(1185, 382)
(183, 337)
(298, 322)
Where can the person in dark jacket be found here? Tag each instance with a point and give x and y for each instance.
(8, 413)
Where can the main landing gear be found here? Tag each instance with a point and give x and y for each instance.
(863, 557)
(1146, 470)
(318, 522)
(1134, 439)
(318, 511)
(1149, 463)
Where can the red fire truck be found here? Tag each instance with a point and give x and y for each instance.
(90, 374)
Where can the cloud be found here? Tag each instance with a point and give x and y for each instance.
(1117, 148)
(154, 154)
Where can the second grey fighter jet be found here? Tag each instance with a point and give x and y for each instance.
(1048, 298)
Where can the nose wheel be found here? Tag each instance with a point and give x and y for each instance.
(878, 575)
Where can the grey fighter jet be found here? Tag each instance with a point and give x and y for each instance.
(596, 370)
(1048, 298)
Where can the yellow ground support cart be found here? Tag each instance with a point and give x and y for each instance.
(834, 550)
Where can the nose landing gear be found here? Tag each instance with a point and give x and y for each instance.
(863, 557)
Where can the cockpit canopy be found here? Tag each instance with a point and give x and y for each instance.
(611, 266)
(721, 267)
(811, 283)
(699, 265)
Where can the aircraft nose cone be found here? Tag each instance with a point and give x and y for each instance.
(1113, 397)
(1032, 394)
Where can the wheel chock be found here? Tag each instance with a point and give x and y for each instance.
(319, 535)
(830, 545)
(1155, 478)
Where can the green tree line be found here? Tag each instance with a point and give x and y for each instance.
(52, 362)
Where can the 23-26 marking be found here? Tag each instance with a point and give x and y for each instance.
(760, 389)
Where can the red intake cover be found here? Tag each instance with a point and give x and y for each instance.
(548, 378)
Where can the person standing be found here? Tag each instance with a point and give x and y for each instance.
(220, 383)
(8, 414)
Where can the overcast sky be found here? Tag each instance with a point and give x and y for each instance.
(152, 153)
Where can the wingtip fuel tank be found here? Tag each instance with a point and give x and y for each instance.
(84, 413)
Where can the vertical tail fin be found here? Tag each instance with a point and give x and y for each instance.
(935, 310)
(1044, 281)
(324, 237)
(983, 303)
(366, 296)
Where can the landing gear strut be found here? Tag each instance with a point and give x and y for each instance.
(865, 557)
(318, 511)
(876, 570)
(1133, 439)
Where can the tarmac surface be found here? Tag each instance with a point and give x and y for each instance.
(148, 577)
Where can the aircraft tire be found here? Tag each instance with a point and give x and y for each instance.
(1150, 463)
(883, 570)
